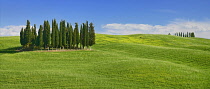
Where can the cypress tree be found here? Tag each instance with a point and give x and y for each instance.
(67, 35)
(92, 35)
(74, 38)
(181, 34)
(56, 35)
(169, 33)
(30, 35)
(84, 35)
(189, 34)
(70, 36)
(24, 40)
(76, 33)
(81, 37)
(192, 34)
(60, 35)
(27, 34)
(40, 37)
(33, 35)
(87, 35)
(63, 34)
(53, 33)
(46, 34)
(22, 37)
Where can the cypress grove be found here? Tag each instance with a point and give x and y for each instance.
(188, 34)
(63, 36)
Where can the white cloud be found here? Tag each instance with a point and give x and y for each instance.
(128, 26)
(201, 29)
(11, 30)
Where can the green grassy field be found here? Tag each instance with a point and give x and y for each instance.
(116, 61)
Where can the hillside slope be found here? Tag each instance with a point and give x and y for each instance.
(116, 61)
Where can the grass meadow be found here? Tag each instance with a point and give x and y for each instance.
(115, 62)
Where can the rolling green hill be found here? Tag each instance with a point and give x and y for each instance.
(116, 61)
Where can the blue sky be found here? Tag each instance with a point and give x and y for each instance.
(111, 16)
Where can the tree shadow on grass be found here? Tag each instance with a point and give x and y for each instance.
(11, 50)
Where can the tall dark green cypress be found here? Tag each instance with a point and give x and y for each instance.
(92, 35)
(46, 34)
(56, 35)
(87, 35)
(81, 37)
(33, 35)
(76, 31)
(22, 37)
(192, 34)
(67, 35)
(27, 34)
(74, 38)
(60, 35)
(53, 33)
(70, 36)
(40, 37)
(181, 34)
(84, 35)
(64, 33)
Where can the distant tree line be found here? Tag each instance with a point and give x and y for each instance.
(63, 36)
(182, 34)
